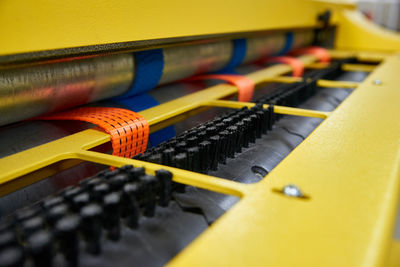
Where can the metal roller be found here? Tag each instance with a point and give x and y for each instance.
(262, 46)
(31, 91)
(182, 62)
(302, 38)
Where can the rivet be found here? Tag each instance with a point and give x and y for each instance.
(377, 82)
(292, 190)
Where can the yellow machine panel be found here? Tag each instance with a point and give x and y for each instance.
(332, 200)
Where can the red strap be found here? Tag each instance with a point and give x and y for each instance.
(245, 85)
(129, 131)
(321, 53)
(296, 64)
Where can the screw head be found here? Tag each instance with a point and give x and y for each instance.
(292, 190)
(377, 82)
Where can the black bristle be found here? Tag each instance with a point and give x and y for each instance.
(167, 156)
(214, 151)
(233, 133)
(165, 178)
(111, 213)
(205, 156)
(130, 206)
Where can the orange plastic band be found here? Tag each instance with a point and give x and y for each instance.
(129, 131)
(321, 53)
(296, 64)
(245, 85)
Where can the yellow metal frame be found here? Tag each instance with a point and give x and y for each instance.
(356, 32)
(76, 23)
(349, 162)
(76, 146)
(349, 166)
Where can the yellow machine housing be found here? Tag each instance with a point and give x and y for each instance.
(348, 167)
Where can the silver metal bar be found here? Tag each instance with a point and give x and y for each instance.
(30, 91)
(182, 62)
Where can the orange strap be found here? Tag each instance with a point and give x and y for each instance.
(245, 85)
(296, 64)
(129, 131)
(321, 53)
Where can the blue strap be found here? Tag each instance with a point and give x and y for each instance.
(288, 43)
(138, 102)
(224, 71)
(142, 102)
(239, 52)
(149, 68)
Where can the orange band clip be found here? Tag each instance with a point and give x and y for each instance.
(245, 85)
(296, 64)
(321, 53)
(129, 131)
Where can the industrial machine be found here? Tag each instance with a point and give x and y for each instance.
(212, 133)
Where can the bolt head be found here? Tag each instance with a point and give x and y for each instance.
(291, 190)
(377, 82)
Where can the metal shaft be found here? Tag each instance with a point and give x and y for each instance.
(30, 91)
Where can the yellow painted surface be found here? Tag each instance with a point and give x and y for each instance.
(345, 67)
(37, 25)
(394, 258)
(277, 109)
(352, 182)
(318, 65)
(349, 168)
(362, 55)
(348, 165)
(358, 67)
(354, 31)
(337, 84)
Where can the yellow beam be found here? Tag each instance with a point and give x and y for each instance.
(337, 84)
(37, 25)
(363, 56)
(318, 65)
(219, 185)
(277, 109)
(301, 112)
(345, 67)
(358, 67)
(284, 79)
